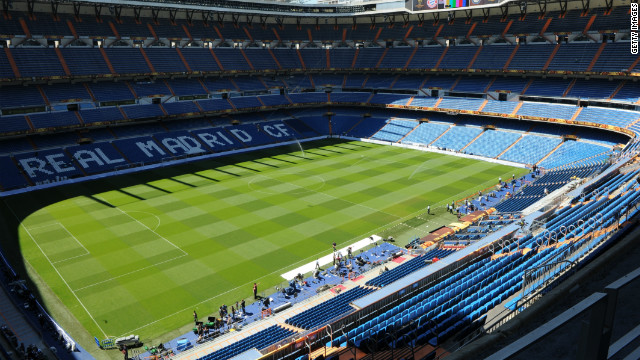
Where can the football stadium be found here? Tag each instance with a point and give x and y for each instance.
(319, 179)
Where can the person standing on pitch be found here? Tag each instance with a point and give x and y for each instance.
(255, 291)
(244, 312)
(195, 316)
(429, 209)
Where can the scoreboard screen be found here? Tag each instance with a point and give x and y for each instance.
(426, 5)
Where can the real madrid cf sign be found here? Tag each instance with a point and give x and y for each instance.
(426, 5)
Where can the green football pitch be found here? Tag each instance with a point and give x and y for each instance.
(136, 254)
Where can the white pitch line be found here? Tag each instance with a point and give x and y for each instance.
(70, 258)
(131, 272)
(57, 271)
(416, 170)
(74, 238)
(148, 228)
(42, 226)
(154, 215)
(380, 228)
(281, 269)
(333, 197)
(359, 160)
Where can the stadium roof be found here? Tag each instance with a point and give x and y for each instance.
(309, 8)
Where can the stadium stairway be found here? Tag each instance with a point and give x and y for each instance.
(549, 154)
(471, 142)
(441, 135)
(13, 318)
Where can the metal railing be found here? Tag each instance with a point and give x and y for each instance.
(595, 337)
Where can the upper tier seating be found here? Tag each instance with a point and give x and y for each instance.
(396, 59)
(512, 84)
(426, 57)
(573, 151)
(409, 82)
(354, 81)
(6, 72)
(57, 93)
(367, 127)
(54, 119)
(165, 60)
(368, 58)
(629, 91)
(99, 115)
(492, 142)
(531, 57)
(380, 81)
(547, 87)
(186, 87)
(82, 61)
(14, 123)
(350, 97)
(426, 133)
(37, 62)
(608, 116)
(593, 88)
(440, 82)
(232, 59)
(111, 91)
(500, 107)
(457, 137)
(547, 110)
(460, 104)
(467, 84)
(492, 57)
(85, 61)
(389, 99)
(328, 80)
(615, 57)
(531, 149)
(575, 56)
(395, 130)
(128, 60)
(180, 108)
(200, 59)
(424, 101)
(156, 88)
(458, 57)
(20, 96)
(260, 59)
(147, 111)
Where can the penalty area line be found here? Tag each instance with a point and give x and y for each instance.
(130, 272)
(146, 227)
(57, 271)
